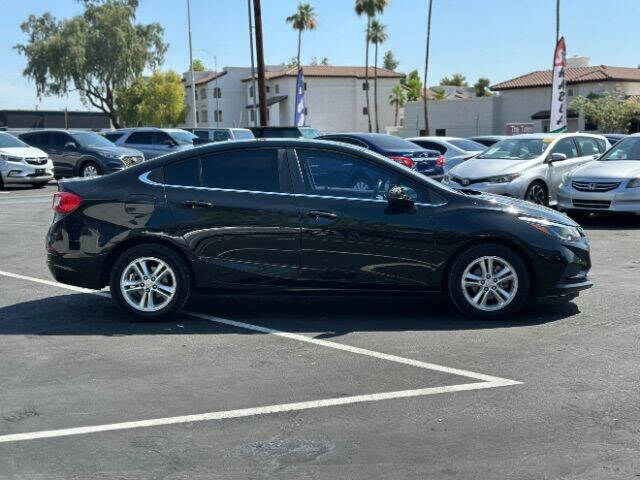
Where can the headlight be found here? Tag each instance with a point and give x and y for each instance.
(114, 156)
(565, 233)
(634, 183)
(504, 178)
(9, 158)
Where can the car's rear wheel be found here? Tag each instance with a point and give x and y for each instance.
(537, 193)
(489, 281)
(90, 169)
(150, 282)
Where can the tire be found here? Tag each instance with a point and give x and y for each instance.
(1, 183)
(537, 193)
(88, 168)
(468, 299)
(39, 184)
(166, 295)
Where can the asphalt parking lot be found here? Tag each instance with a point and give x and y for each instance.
(315, 386)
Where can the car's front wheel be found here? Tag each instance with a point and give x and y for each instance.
(90, 169)
(489, 281)
(150, 282)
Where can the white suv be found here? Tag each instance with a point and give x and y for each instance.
(22, 164)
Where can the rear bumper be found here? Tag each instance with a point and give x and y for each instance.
(83, 272)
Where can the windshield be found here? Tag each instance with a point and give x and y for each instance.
(183, 137)
(243, 134)
(309, 132)
(467, 145)
(389, 142)
(516, 149)
(9, 141)
(90, 139)
(625, 149)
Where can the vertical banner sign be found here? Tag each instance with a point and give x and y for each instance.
(301, 110)
(558, 121)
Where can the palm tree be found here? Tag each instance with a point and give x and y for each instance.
(377, 35)
(397, 99)
(426, 71)
(303, 19)
(369, 8)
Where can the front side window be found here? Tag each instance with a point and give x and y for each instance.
(626, 149)
(253, 170)
(335, 174)
(139, 138)
(517, 149)
(588, 146)
(59, 140)
(566, 146)
(221, 135)
(91, 140)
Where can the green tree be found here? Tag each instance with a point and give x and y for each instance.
(198, 65)
(96, 53)
(370, 8)
(412, 85)
(612, 113)
(456, 80)
(397, 100)
(316, 62)
(439, 94)
(303, 19)
(156, 101)
(377, 35)
(482, 87)
(389, 61)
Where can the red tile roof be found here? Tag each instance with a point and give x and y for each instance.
(330, 71)
(206, 79)
(600, 73)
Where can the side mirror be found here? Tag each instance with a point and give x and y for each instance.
(70, 146)
(170, 143)
(398, 201)
(557, 157)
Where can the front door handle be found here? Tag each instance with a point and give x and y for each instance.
(315, 214)
(197, 204)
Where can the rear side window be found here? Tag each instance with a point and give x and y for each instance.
(185, 173)
(431, 146)
(588, 146)
(141, 138)
(221, 135)
(254, 170)
(38, 139)
(204, 134)
(602, 145)
(566, 146)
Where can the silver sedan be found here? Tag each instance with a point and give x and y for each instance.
(609, 184)
(529, 166)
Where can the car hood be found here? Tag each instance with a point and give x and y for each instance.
(489, 167)
(523, 208)
(118, 151)
(613, 169)
(24, 152)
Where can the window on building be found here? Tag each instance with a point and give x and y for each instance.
(305, 86)
(203, 93)
(365, 86)
(197, 116)
(441, 132)
(251, 92)
(204, 116)
(365, 111)
(217, 93)
(217, 115)
(570, 92)
(229, 170)
(277, 88)
(252, 115)
(268, 89)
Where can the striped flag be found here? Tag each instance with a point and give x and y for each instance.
(301, 110)
(558, 122)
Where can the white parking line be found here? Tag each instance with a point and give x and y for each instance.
(487, 381)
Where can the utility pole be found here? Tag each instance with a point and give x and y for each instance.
(253, 70)
(557, 21)
(193, 82)
(260, 53)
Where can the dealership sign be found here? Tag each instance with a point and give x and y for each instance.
(518, 128)
(558, 121)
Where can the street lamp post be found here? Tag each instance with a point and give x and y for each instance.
(193, 82)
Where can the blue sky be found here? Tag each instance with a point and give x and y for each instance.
(499, 39)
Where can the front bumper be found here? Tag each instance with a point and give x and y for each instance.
(18, 172)
(510, 189)
(621, 199)
(572, 277)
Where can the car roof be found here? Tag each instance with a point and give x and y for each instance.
(145, 129)
(436, 139)
(556, 135)
(364, 135)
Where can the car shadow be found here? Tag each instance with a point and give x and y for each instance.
(320, 316)
(610, 222)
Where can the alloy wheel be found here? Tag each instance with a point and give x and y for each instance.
(489, 283)
(148, 284)
(90, 171)
(537, 194)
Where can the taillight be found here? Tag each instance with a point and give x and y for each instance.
(406, 161)
(66, 202)
(440, 161)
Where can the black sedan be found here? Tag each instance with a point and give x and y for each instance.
(428, 162)
(259, 216)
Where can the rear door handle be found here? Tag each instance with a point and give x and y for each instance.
(315, 214)
(197, 204)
